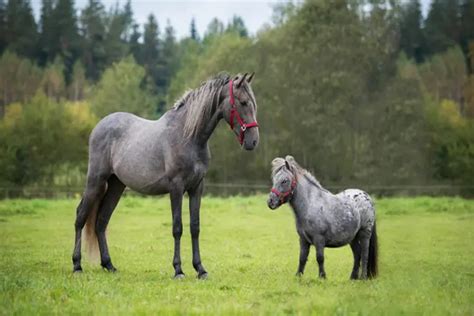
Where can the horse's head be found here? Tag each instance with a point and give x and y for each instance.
(240, 110)
(284, 182)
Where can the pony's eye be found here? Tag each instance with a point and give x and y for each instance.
(244, 103)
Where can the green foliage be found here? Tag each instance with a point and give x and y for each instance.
(251, 254)
(19, 79)
(39, 136)
(120, 89)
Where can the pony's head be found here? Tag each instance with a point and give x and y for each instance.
(239, 109)
(284, 181)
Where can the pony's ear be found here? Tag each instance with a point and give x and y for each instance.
(241, 80)
(290, 159)
(287, 164)
(249, 79)
(277, 162)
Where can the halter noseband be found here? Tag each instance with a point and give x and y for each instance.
(234, 113)
(285, 196)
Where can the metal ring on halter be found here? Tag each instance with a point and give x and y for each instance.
(243, 128)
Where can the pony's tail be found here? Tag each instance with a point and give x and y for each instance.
(372, 265)
(90, 236)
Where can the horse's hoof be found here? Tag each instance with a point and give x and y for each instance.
(203, 276)
(299, 274)
(322, 276)
(179, 276)
(77, 270)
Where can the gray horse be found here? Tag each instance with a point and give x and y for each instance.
(324, 219)
(170, 155)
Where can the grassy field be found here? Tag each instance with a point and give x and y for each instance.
(251, 254)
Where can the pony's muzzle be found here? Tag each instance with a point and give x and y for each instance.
(273, 201)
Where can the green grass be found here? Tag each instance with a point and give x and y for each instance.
(251, 254)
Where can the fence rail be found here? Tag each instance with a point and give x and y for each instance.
(228, 189)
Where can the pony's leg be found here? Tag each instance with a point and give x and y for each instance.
(304, 252)
(364, 251)
(114, 191)
(194, 208)
(355, 246)
(92, 195)
(320, 259)
(176, 204)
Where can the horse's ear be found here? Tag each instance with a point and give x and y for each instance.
(249, 79)
(241, 80)
(287, 164)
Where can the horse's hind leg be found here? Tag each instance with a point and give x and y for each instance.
(114, 191)
(92, 195)
(355, 246)
(364, 251)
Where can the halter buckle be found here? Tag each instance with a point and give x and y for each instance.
(243, 127)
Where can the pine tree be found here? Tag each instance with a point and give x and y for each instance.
(411, 34)
(150, 54)
(21, 33)
(442, 26)
(93, 37)
(135, 45)
(467, 31)
(3, 26)
(193, 31)
(215, 27)
(237, 25)
(46, 32)
(115, 45)
(66, 37)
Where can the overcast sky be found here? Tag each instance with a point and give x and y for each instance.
(180, 12)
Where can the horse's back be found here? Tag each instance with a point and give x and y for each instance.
(363, 203)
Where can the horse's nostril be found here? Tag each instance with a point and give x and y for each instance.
(254, 142)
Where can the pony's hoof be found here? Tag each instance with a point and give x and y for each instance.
(109, 267)
(299, 274)
(203, 276)
(77, 270)
(322, 276)
(179, 276)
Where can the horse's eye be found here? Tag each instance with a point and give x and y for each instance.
(244, 103)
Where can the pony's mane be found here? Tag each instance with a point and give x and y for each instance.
(279, 163)
(200, 103)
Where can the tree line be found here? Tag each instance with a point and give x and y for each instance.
(360, 96)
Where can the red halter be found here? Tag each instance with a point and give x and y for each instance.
(235, 113)
(285, 196)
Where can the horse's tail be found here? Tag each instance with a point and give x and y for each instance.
(372, 265)
(90, 236)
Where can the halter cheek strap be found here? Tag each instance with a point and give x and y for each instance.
(235, 114)
(285, 196)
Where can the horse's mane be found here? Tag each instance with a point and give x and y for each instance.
(200, 103)
(279, 163)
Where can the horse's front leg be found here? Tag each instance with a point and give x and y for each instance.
(304, 252)
(320, 258)
(194, 208)
(176, 197)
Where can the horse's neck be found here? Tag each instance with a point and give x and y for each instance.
(203, 135)
(307, 196)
